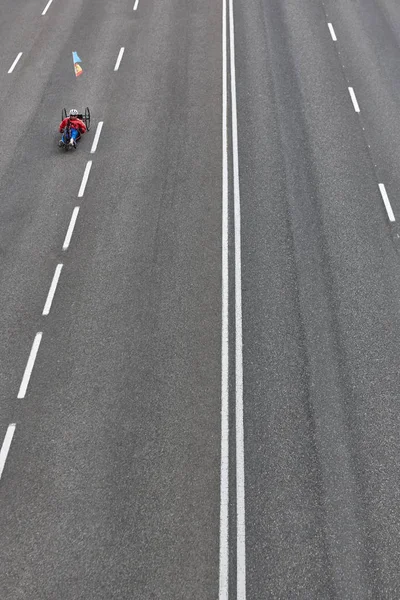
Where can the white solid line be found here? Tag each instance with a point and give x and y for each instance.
(224, 484)
(136, 5)
(85, 178)
(70, 228)
(386, 202)
(333, 34)
(11, 69)
(96, 137)
(52, 290)
(47, 7)
(353, 97)
(6, 446)
(120, 55)
(29, 366)
(240, 491)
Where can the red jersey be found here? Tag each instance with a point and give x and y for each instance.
(74, 123)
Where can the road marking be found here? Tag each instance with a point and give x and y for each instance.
(96, 137)
(29, 366)
(71, 228)
(120, 55)
(6, 446)
(224, 484)
(136, 5)
(354, 99)
(47, 7)
(85, 178)
(240, 492)
(52, 290)
(11, 69)
(333, 34)
(386, 202)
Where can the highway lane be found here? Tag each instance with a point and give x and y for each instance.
(368, 42)
(320, 320)
(111, 487)
(37, 190)
(19, 22)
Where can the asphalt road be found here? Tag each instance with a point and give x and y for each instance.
(213, 409)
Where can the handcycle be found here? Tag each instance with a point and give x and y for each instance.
(66, 135)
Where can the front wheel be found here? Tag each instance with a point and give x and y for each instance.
(66, 137)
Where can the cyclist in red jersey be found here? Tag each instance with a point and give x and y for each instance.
(77, 127)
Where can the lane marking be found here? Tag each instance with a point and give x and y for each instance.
(224, 484)
(52, 290)
(71, 227)
(333, 34)
(386, 202)
(11, 69)
(29, 365)
(354, 99)
(85, 178)
(240, 491)
(6, 446)
(120, 55)
(136, 5)
(47, 7)
(96, 137)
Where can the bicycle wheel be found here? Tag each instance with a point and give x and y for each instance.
(87, 118)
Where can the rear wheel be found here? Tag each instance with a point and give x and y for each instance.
(87, 118)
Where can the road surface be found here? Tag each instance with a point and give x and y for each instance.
(200, 307)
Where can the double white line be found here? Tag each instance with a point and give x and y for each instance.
(240, 493)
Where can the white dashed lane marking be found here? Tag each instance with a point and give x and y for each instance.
(85, 178)
(29, 366)
(120, 55)
(354, 100)
(386, 202)
(333, 34)
(96, 137)
(6, 446)
(11, 69)
(52, 290)
(47, 7)
(71, 227)
(136, 5)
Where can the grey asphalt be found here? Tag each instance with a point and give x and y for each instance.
(321, 316)
(111, 487)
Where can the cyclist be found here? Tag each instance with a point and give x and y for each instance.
(76, 125)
